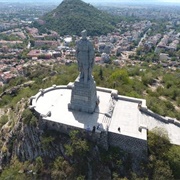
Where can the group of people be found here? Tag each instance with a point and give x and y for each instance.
(94, 128)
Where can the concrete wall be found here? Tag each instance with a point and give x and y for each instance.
(166, 120)
(66, 129)
(104, 139)
(134, 100)
(137, 147)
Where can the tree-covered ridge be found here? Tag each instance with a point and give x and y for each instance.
(72, 16)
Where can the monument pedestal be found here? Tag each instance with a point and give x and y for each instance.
(83, 96)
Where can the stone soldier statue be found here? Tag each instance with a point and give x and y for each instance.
(84, 95)
(85, 57)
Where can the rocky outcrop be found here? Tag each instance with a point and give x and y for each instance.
(18, 143)
(27, 140)
(27, 145)
(18, 138)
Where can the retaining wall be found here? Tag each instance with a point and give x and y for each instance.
(166, 120)
(137, 147)
(98, 137)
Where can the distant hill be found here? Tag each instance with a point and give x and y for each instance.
(72, 16)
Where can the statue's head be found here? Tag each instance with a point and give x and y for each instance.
(84, 34)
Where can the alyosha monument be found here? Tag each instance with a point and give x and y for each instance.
(110, 119)
(84, 96)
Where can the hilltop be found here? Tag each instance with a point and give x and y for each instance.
(28, 151)
(72, 16)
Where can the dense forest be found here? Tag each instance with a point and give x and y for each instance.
(72, 16)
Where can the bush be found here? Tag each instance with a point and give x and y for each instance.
(46, 141)
(162, 171)
(14, 171)
(174, 160)
(148, 79)
(158, 143)
(39, 164)
(163, 158)
(28, 117)
(3, 120)
(62, 169)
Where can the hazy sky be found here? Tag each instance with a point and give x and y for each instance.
(102, 1)
(139, 1)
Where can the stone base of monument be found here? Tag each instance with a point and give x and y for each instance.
(83, 96)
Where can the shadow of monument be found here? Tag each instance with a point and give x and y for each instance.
(87, 119)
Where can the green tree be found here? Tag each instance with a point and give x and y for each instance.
(46, 141)
(159, 146)
(120, 76)
(101, 74)
(15, 171)
(138, 51)
(158, 143)
(78, 149)
(173, 156)
(27, 116)
(62, 169)
(162, 171)
(148, 78)
(39, 165)
(3, 120)
(78, 146)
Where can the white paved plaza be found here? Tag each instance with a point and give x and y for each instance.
(126, 115)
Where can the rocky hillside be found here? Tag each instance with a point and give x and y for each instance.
(73, 16)
(27, 150)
